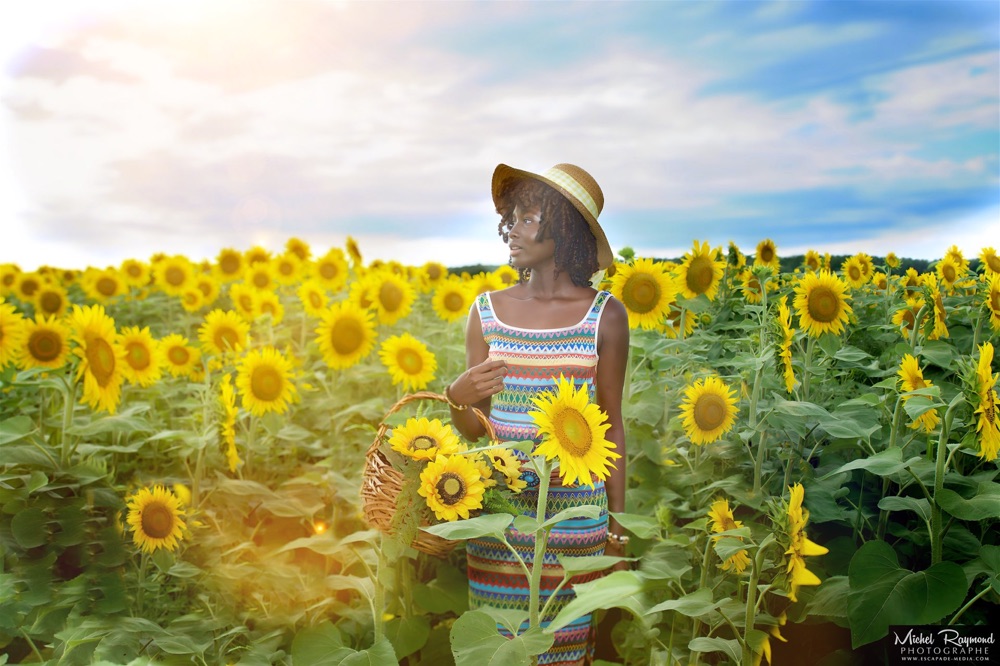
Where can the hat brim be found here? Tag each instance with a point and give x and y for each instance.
(505, 176)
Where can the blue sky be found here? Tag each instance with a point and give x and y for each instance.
(192, 125)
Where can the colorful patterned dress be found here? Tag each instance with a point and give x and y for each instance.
(535, 359)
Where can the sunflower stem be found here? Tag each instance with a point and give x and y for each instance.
(916, 326)
(806, 368)
(69, 404)
(541, 539)
(702, 584)
(937, 533)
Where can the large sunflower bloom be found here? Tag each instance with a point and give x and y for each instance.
(424, 439)
(451, 300)
(173, 274)
(509, 465)
(346, 335)
(799, 546)
(646, 289)
(135, 273)
(955, 254)
(264, 382)
(242, 296)
(700, 272)
(409, 361)
(990, 261)
(51, 301)
(287, 268)
(101, 357)
(229, 264)
(432, 274)
(905, 318)
(750, 286)
(949, 272)
(143, 356)
(821, 303)
(709, 410)
(767, 255)
(854, 272)
(181, 359)
(988, 422)
(260, 276)
(155, 517)
(787, 335)
(103, 285)
(572, 429)
(46, 343)
(991, 300)
(911, 378)
(912, 281)
(223, 332)
(507, 274)
(453, 486)
(391, 295)
(331, 270)
(11, 333)
(27, 284)
(722, 520)
(482, 282)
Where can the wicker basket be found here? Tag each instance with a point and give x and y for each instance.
(381, 483)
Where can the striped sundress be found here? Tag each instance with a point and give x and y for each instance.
(535, 359)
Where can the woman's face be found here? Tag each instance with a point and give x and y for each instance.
(526, 251)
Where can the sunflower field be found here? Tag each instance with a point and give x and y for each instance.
(811, 459)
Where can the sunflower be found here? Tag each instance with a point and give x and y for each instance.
(991, 300)
(173, 274)
(912, 282)
(451, 300)
(671, 325)
(155, 517)
(227, 400)
(424, 439)
(799, 546)
(144, 358)
(432, 274)
(572, 428)
(940, 329)
(27, 284)
(288, 268)
(346, 335)
(299, 248)
(988, 422)
(101, 357)
(750, 286)
(192, 299)
(734, 258)
(208, 285)
(135, 273)
(260, 276)
(409, 361)
(331, 270)
(722, 520)
(866, 263)
(905, 318)
(268, 303)
(508, 464)
(313, 297)
(956, 256)
(8, 278)
(391, 295)
(264, 382)
(182, 360)
(709, 410)
(787, 335)
(880, 281)
(229, 264)
(257, 255)
(244, 303)
(482, 282)
(911, 378)
(507, 274)
(224, 331)
(354, 251)
(700, 272)
(51, 300)
(45, 343)
(646, 289)
(891, 260)
(103, 285)
(813, 262)
(854, 272)
(821, 303)
(767, 255)
(949, 272)
(453, 486)
(990, 261)
(11, 333)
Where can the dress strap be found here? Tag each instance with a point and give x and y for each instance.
(485, 307)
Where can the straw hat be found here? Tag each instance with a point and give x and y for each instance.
(579, 188)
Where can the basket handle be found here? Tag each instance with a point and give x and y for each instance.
(428, 395)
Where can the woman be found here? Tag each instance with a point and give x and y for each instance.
(518, 342)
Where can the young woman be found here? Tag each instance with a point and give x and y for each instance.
(519, 341)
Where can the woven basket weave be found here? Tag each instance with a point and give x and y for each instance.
(381, 483)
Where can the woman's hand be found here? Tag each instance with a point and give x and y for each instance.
(479, 382)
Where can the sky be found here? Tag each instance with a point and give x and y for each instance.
(188, 126)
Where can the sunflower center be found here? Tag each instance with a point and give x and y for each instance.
(391, 296)
(995, 300)
(949, 273)
(174, 276)
(710, 412)
(29, 287)
(45, 345)
(315, 300)
(266, 383)
(812, 263)
(269, 307)
(423, 443)
(137, 355)
(261, 280)
(286, 268)
(993, 261)
(700, 275)
(433, 272)
(990, 409)
(767, 254)
(205, 287)
(346, 336)
(230, 264)
(226, 338)
(573, 432)
(8, 279)
(178, 355)
(157, 521)
(246, 302)
(410, 361)
(909, 319)
(328, 270)
(824, 306)
(50, 302)
(453, 302)
(854, 272)
(101, 358)
(451, 488)
(133, 271)
(641, 293)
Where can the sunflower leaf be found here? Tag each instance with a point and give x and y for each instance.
(488, 524)
(588, 511)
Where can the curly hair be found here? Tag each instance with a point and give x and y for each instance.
(576, 247)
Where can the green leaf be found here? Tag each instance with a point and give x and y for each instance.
(940, 353)
(665, 561)
(321, 645)
(697, 603)
(882, 593)
(921, 506)
(475, 641)
(408, 634)
(379, 654)
(802, 410)
(488, 524)
(28, 527)
(448, 593)
(16, 428)
(578, 565)
(830, 599)
(525, 524)
(587, 511)
(883, 463)
(643, 527)
(981, 506)
(730, 647)
(510, 618)
(620, 589)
